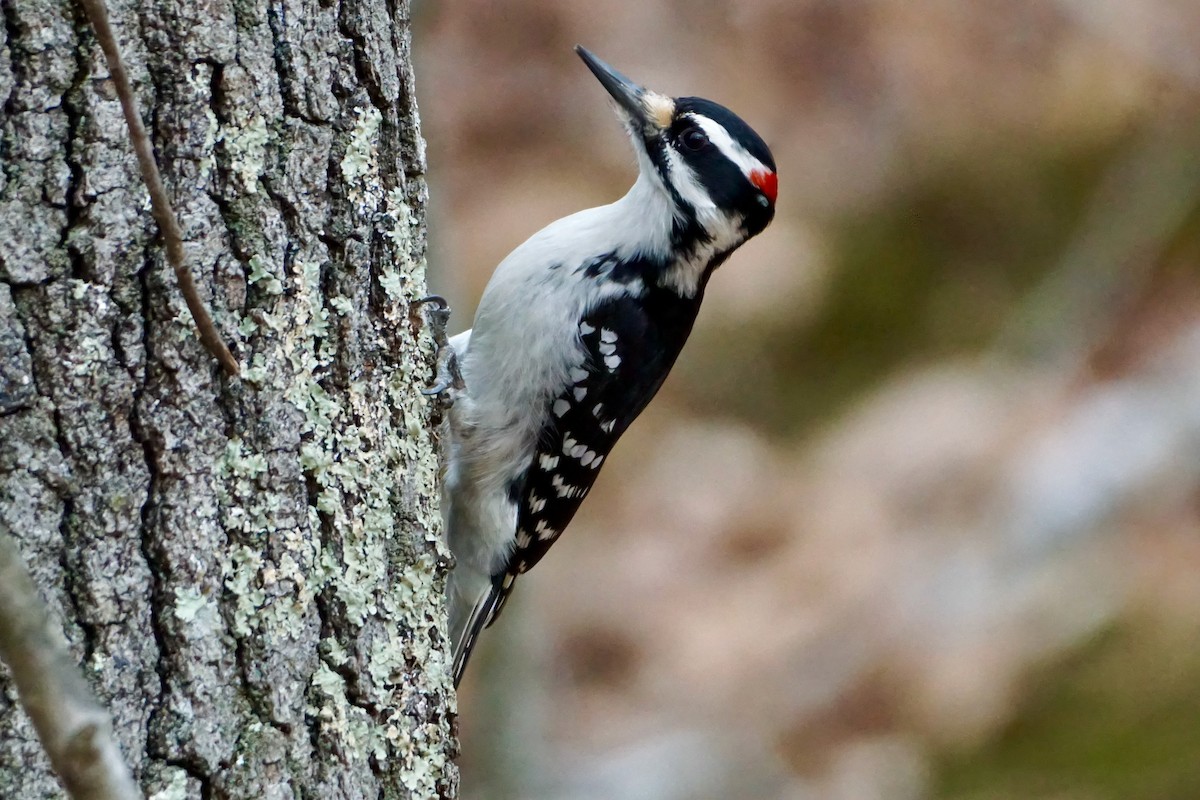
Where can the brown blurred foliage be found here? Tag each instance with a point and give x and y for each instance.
(916, 515)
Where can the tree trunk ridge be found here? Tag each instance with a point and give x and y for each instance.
(248, 570)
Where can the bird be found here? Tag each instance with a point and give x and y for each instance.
(576, 331)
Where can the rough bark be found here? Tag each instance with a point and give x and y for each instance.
(75, 732)
(247, 570)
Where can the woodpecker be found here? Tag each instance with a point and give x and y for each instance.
(577, 330)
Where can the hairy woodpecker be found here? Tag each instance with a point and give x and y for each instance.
(577, 330)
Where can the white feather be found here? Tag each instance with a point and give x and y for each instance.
(728, 146)
(517, 358)
(525, 350)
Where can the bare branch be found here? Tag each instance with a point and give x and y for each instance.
(160, 205)
(74, 730)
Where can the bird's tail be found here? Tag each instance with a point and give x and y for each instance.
(474, 601)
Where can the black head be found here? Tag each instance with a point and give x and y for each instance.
(718, 171)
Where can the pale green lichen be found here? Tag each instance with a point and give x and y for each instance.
(188, 603)
(333, 651)
(340, 716)
(246, 143)
(360, 158)
(329, 682)
(386, 662)
(198, 613)
(393, 284)
(260, 272)
(199, 82)
(422, 767)
(242, 572)
(366, 453)
(360, 164)
(255, 374)
(402, 220)
(176, 789)
(400, 226)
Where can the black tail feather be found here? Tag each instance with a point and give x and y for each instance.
(482, 616)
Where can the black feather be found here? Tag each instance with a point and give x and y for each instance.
(646, 334)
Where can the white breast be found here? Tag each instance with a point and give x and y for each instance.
(523, 346)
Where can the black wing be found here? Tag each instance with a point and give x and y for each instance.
(631, 346)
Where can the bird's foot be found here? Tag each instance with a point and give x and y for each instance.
(447, 378)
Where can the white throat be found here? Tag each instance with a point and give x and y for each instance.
(648, 210)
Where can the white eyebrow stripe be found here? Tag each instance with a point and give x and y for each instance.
(732, 150)
(686, 183)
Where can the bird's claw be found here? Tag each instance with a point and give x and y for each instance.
(437, 312)
(434, 299)
(448, 380)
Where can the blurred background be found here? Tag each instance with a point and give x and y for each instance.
(917, 515)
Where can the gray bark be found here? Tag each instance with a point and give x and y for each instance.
(75, 732)
(247, 570)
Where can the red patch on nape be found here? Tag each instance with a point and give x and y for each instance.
(767, 183)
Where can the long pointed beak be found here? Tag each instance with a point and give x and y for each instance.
(629, 96)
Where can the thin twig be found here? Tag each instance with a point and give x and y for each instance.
(160, 205)
(75, 731)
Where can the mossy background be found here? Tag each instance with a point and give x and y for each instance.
(914, 516)
(932, 273)
(1112, 720)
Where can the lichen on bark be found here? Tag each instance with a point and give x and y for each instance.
(249, 570)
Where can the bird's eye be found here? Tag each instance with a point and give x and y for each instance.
(763, 201)
(694, 139)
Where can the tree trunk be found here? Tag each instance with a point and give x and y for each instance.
(248, 570)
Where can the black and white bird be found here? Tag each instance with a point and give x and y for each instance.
(576, 332)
